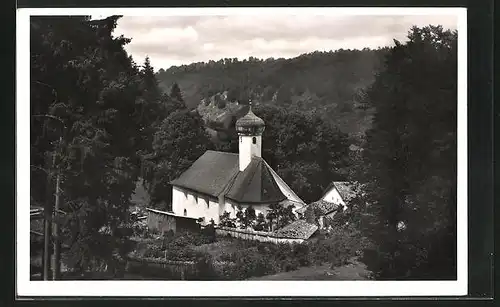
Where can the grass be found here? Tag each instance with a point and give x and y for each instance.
(355, 270)
(217, 248)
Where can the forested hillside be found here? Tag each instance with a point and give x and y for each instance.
(330, 83)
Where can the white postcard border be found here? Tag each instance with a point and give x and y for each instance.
(25, 287)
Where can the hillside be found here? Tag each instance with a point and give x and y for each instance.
(325, 82)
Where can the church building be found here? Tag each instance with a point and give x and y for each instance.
(221, 181)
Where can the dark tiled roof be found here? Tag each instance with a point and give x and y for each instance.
(300, 229)
(255, 184)
(322, 206)
(218, 172)
(210, 174)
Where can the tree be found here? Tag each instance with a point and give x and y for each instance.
(307, 152)
(410, 159)
(175, 93)
(260, 223)
(179, 140)
(226, 220)
(280, 215)
(82, 76)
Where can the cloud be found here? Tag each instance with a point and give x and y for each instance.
(176, 40)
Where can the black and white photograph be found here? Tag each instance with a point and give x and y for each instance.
(261, 151)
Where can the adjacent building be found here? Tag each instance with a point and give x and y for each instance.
(337, 197)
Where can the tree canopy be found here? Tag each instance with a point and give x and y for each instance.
(82, 76)
(326, 82)
(409, 159)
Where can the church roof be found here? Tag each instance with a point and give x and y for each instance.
(217, 172)
(255, 184)
(210, 174)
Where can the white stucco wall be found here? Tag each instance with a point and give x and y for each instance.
(196, 205)
(247, 149)
(333, 196)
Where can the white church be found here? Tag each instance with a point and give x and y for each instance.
(221, 181)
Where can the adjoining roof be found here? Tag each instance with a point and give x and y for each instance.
(210, 174)
(255, 184)
(323, 207)
(346, 189)
(299, 229)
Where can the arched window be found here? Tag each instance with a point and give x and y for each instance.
(254, 140)
(185, 212)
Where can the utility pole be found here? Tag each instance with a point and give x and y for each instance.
(56, 265)
(47, 224)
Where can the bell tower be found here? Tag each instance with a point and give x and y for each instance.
(250, 128)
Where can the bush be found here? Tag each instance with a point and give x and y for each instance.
(205, 267)
(338, 247)
(242, 259)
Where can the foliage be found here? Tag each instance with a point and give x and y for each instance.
(226, 220)
(245, 217)
(87, 118)
(178, 247)
(326, 82)
(261, 223)
(239, 259)
(280, 215)
(410, 159)
(179, 140)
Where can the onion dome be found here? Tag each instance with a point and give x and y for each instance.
(250, 124)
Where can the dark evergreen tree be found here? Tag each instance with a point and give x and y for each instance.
(83, 80)
(410, 159)
(175, 93)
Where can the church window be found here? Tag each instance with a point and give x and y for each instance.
(208, 203)
(196, 198)
(185, 212)
(254, 140)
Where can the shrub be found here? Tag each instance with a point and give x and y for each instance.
(338, 247)
(205, 267)
(302, 254)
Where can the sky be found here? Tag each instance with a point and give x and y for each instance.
(177, 40)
